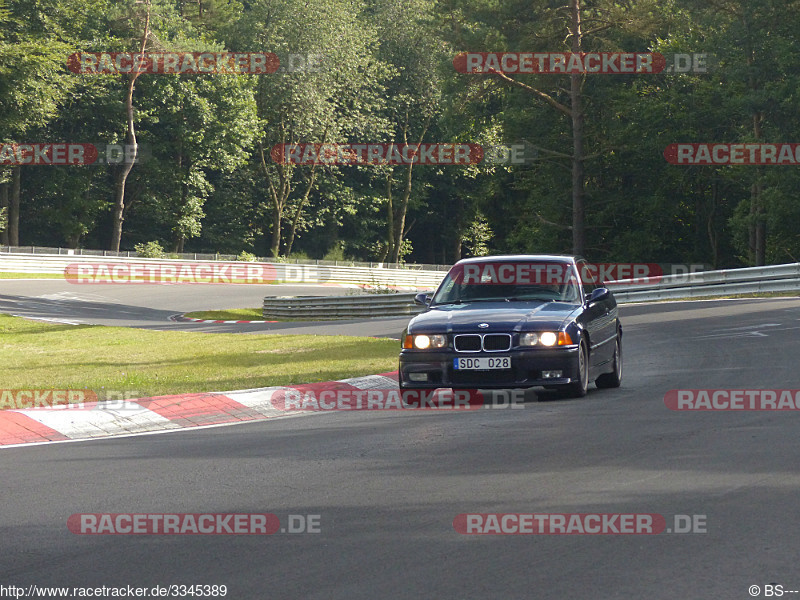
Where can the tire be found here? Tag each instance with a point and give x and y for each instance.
(613, 379)
(579, 388)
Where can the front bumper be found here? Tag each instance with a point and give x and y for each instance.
(527, 365)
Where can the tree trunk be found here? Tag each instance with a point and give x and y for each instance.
(757, 231)
(389, 219)
(713, 238)
(122, 174)
(4, 205)
(303, 200)
(760, 225)
(13, 209)
(184, 191)
(400, 221)
(457, 248)
(578, 205)
(399, 216)
(275, 245)
(130, 139)
(278, 196)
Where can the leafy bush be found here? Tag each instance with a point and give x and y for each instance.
(246, 257)
(149, 250)
(336, 252)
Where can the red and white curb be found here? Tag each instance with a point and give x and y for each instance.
(149, 415)
(181, 319)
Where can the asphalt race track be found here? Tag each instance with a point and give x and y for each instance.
(149, 306)
(387, 485)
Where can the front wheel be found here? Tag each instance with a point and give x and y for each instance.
(613, 379)
(579, 388)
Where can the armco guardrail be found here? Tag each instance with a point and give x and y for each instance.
(283, 272)
(776, 278)
(40, 250)
(340, 307)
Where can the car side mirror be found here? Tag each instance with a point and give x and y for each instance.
(424, 299)
(598, 295)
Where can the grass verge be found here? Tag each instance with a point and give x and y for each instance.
(31, 276)
(150, 363)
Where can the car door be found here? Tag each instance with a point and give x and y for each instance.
(600, 321)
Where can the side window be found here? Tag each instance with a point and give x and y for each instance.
(586, 276)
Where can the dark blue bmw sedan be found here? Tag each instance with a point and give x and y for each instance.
(519, 321)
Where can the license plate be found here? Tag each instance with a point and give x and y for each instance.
(482, 363)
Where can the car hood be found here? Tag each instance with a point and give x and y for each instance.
(501, 316)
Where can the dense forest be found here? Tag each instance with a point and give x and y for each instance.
(594, 180)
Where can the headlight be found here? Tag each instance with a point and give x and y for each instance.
(546, 338)
(423, 342)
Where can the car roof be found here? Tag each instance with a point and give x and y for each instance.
(553, 258)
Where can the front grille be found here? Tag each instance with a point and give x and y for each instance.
(496, 342)
(467, 343)
(488, 342)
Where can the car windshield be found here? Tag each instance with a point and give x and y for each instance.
(497, 282)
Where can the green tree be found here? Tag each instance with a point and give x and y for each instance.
(332, 102)
(33, 83)
(755, 42)
(409, 43)
(195, 125)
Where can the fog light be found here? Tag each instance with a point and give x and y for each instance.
(551, 374)
(418, 377)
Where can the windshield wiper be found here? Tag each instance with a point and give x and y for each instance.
(514, 299)
(508, 299)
